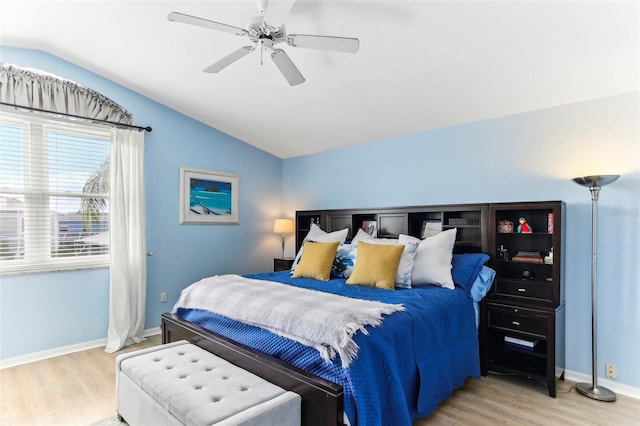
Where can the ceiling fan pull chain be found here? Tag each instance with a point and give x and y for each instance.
(261, 49)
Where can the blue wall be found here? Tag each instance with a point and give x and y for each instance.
(44, 311)
(525, 157)
(522, 157)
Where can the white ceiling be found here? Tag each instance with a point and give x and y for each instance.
(422, 64)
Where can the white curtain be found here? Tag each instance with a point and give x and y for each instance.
(37, 89)
(127, 240)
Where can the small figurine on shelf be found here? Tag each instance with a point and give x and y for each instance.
(548, 259)
(524, 227)
(503, 253)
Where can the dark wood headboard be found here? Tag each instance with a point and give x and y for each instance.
(470, 219)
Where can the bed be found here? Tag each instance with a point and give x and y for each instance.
(404, 367)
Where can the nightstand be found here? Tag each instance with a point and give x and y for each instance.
(282, 263)
(522, 324)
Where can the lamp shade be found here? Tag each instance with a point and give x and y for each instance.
(283, 226)
(595, 180)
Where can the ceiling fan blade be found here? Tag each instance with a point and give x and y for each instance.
(229, 59)
(200, 22)
(339, 44)
(276, 11)
(287, 67)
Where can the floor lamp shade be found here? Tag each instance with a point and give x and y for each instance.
(283, 226)
(592, 390)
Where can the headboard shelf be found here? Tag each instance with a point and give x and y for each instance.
(469, 219)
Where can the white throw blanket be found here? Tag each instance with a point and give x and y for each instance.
(324, 321)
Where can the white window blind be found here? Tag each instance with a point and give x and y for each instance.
(54, 194)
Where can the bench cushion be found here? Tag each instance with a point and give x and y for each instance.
(198, 388)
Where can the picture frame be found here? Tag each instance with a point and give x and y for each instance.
(370, 227)
(208, 197)
(430, 228)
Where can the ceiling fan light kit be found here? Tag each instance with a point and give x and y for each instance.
(265, 31)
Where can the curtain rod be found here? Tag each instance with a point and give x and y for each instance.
(95, 120)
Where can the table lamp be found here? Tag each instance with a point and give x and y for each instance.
(283, 226)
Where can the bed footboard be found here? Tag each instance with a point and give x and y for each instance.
(322, 400)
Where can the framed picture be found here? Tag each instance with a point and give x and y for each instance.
(430, 228)
(208, 197)
(370, 227)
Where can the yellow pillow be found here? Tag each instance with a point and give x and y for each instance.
(376, 265)
(316, 261)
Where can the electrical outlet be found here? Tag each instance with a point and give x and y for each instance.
(610, 371)
(163, 297)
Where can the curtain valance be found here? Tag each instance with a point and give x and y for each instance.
(33, 88)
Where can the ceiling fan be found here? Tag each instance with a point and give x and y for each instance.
(266, 31)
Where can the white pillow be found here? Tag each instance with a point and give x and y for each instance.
(360, 236)
(403, 276)
(363, 236)
(432, 262)
(317, 235)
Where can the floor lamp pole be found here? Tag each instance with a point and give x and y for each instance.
(592, 390)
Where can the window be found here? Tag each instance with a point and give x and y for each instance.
(54, 194)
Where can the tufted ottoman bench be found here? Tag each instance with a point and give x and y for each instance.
(181, 384)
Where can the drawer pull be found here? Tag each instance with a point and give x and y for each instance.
(515, 323)
(522, 290)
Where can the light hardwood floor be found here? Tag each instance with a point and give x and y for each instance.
(74, 389)
(79, 389)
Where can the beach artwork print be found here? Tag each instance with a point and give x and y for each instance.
(208, 197)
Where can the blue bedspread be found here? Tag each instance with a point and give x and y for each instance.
(405, 367)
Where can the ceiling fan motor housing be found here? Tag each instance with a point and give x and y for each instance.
(258, 29)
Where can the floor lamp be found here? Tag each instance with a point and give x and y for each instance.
(592, 390)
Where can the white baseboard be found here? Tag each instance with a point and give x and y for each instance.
(573, 376)
(616, 387)
(63, 350)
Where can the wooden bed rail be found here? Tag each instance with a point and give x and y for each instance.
(322, 400)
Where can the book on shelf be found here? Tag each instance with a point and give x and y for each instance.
(527, 259)
(528, 253)
(520, 343)
(527, 256)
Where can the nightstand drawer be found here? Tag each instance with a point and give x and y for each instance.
(282, 264)
(517, 321)
(532, 290)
